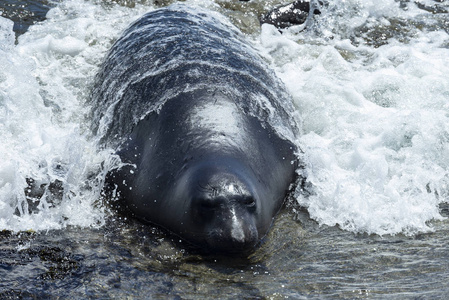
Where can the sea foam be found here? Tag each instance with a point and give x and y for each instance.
(375, 118)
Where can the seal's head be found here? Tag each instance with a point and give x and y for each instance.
(222, 210)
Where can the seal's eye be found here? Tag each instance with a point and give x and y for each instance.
(249, 202)
(208, 204)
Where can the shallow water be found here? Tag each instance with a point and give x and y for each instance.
(297, 261)
(369, 79)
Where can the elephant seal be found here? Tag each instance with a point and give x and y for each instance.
(205, 130)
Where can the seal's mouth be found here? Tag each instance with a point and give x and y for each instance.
(233, 232)
(232, 248)
(232, 236)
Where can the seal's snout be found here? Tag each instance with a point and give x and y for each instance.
(234, 229)
(226, 210)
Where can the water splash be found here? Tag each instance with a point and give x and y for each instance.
(375, 115)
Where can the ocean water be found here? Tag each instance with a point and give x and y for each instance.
(370, 81)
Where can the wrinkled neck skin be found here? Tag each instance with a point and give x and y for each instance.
(206, 171)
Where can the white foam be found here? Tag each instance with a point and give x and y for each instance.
(44, 84)
(6, 34)
(375, 121)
